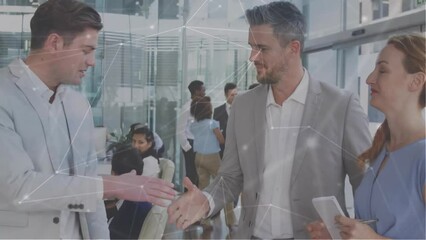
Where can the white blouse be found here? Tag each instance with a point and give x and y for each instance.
(151, 167)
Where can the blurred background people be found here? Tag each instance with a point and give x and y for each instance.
(185, 137)
(393, 190)
(159, 146)
(207, 140)
(142, 158)
(222, 112)
(221, 115)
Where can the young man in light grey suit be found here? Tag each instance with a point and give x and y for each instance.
(288, 140)
(49, 187)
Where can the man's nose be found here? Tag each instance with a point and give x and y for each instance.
(254, 54)
(91, 61)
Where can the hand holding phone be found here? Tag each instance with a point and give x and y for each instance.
(328, 208)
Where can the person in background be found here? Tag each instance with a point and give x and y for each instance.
(159, 145)
(142, 158)
(143, 140)
(221, 115)
(183, 132)
(124, 160)
(290, 139)
(48, 177)
(222, 112)
(207, 140)
(393, 190)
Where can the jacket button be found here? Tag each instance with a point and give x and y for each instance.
(55, 220)
(70, 206)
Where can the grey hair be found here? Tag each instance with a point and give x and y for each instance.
(286, 20)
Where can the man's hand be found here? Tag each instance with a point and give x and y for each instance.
(189, 208)
(138, 188)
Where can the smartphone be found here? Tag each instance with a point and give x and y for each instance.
(328, 208)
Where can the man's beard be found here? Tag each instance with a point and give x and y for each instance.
(268, 78)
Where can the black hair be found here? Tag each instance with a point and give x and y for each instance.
(229, 86)
(138, 128)
(194, 86)
(126, 159)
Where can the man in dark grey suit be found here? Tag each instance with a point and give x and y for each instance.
(221, 113)
(288, 140)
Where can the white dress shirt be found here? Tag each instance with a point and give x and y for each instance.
(182, 130)
(273, 218)
(228, 108)
(58, 133)
(151, 168)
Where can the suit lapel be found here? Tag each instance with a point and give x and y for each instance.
(74, 121)
(24, 83)
(312, 105)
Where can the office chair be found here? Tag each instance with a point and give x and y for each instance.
(156, 220)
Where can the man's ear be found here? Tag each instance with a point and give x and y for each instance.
(295, 47)
(417, 82)
(54, 42)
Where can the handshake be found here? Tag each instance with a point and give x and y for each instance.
(189, 207)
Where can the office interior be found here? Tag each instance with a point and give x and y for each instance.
(149, 51)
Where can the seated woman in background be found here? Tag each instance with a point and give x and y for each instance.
(392, 191)
(140, 157)
(159, 145)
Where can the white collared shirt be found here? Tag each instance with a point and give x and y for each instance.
(57, 133)
(184, 122)
(228, 108)
(273, 219)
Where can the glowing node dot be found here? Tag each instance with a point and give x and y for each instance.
(311, 142)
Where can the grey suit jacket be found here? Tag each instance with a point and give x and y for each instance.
(32, 192)
(334, 130)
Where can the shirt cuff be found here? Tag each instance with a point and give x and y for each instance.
(99, 188)
(211, 203)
